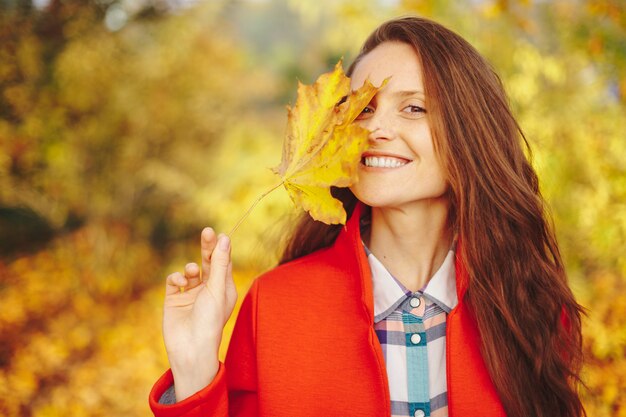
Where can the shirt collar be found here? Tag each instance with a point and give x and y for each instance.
(389, 293)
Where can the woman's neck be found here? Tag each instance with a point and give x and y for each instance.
(411, 242)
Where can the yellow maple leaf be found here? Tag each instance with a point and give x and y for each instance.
(323, 146)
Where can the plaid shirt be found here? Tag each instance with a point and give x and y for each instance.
(411, 328)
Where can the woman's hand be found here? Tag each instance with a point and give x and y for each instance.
(198, 302)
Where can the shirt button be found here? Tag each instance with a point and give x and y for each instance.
(419, 413)
(415, 338)
(415, 302)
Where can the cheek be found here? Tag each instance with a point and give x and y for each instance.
(436, 173)
(438, 177)
(443, 186)
(358, 190)
(366, 196)
(368, 191)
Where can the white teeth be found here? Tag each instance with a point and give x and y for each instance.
(383, 162)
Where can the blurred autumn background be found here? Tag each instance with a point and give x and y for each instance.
(128, 125)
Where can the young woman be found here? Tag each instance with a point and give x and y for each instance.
(444, 295)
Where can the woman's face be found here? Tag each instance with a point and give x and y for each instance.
(400, 168)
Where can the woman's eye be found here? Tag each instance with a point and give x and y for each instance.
(414, 109)
(366, 112)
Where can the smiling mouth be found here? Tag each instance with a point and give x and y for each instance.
(383, 161)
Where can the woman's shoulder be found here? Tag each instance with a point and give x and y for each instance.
(318, 271)
(311, 264)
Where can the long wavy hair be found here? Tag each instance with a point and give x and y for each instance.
(528, 319)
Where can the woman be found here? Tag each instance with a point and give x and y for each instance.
(445, 294)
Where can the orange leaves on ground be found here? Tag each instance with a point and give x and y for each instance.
(322, 146)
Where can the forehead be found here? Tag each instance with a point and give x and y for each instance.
(389, 59)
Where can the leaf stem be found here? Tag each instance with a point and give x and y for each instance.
(245, 215)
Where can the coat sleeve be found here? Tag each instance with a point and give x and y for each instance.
(233, 391)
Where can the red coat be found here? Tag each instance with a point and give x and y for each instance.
(304, 345)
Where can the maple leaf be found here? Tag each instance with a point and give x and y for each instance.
(323, 146)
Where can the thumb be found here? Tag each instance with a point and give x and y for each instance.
(220, 264)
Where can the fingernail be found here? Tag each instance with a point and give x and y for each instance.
(224, 243)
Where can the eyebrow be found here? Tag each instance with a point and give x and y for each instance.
(405, 93)
(408, 93)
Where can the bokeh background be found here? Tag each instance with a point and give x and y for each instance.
(128, 125)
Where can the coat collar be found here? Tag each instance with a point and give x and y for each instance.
(350, 239)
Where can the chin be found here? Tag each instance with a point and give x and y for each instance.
(374, 199)
(399, 199)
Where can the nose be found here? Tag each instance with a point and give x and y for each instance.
(379, 135)
(379, 126)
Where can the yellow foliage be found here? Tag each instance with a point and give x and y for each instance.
(58, 303)
(80, 326)
(166, 125)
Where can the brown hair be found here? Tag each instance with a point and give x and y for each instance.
(527, 316)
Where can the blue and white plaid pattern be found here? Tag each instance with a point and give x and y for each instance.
(411, 328)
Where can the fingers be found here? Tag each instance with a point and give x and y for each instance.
(194, 274)
(208, 241)
(174, 282)
(221, 266)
